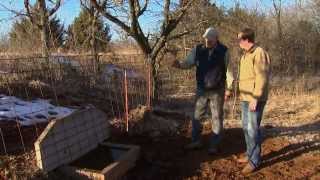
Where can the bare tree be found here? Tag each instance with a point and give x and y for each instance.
(315, 6)
(94, 15)
(130, 12)
(39, 15)
(277, 5)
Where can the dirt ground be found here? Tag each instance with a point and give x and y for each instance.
(290, 150)
(282, 159)
(291, 147)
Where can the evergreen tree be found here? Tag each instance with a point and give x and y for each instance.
(78, 33)
(24, 36)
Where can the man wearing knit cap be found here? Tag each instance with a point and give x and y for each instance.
(213, 77)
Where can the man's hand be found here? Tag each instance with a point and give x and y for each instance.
(176, 64)
(253, 105)
(227, 95)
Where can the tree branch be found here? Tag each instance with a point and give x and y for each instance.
(166, 10)
(83, 5)
(110, 17)
(179, 35)
(173, 22)
(13, 11)
(55, 8)
(183, 10)
(133, 17)
(141, 11)
(176, 36)
(137, 7)
(27, 7)
(169, 27)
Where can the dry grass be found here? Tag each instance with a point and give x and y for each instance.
(293, 102)
(297, 102)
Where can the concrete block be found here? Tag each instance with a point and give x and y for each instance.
(60, 136)
(69, 138)
(61, 145)
(113, 171)
(49, 151)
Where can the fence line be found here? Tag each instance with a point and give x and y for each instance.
(117, 88)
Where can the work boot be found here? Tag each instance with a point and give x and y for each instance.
(213, 151)
(193, 145)
(248, 169)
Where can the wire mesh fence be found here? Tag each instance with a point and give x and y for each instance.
(117, 85)
(113, 85)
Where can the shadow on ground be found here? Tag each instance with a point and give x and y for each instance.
(166, 158)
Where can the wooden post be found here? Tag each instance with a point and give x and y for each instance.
(149, 87)
(184, 44)
(126, 100)
(3, 142)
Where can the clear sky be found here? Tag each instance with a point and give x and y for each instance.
(71, 8)
(67, 12)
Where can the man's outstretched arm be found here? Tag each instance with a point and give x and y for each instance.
(188, 63)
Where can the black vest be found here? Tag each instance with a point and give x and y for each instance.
(206, 64)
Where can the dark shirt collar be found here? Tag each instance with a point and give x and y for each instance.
(214, 47)
(251, 50)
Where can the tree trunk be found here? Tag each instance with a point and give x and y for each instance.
(44, 42)
(280, 36)
(93, 42)
(39, 17)
(150, 50)
(44, 29)
(155, 81)
(278, 12)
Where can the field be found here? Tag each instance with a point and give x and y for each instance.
(121, 57)
(291, 147)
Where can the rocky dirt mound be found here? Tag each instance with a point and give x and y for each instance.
(153, 123)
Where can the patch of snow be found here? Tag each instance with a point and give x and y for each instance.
(3, 72)
(30, 112)
(111, 69)
(65, 61)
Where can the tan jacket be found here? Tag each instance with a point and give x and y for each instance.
(254, 72)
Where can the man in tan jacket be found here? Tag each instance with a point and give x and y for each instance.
(254, 70)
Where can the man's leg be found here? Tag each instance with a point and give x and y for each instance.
(252, 132)
(244, 120)
(254, 135)
(199, 111)
(216, 107)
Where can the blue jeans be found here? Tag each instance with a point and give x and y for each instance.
(214, 100)
(251, 128)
